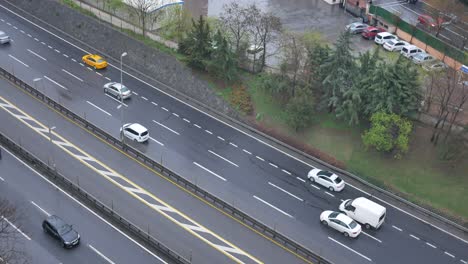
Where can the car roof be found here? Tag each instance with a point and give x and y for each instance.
(95, 56)
(384, 34)
(117, 85)
(1, 32)
(344, 218)
(138, 128)
(55, 221)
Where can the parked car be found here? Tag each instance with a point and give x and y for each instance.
(365, 211)
(118, 90)
(135, 132)
(4, 38)
(340, 222)
(427, 20)
(383, 37)
(410, 50)
(56, 227)
(356, 27)
(395, 45)
(327, 179)
(95, 61)
(371, 32)
(422, 58)
(435, 66)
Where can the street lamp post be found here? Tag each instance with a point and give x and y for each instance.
(121, 98)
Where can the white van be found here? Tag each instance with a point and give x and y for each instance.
(364, 211)
(383, 37)
(410, 50)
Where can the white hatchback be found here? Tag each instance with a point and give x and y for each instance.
(327, 179)
(395, 45)
(340, 222)
(383, 37)
(135, 132)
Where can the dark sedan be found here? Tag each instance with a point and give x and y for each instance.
(62, 231)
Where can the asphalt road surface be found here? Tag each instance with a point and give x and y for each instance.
(258, 178)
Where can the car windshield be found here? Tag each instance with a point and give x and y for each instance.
(64, 229)
(352, 224)
(333, 215)
(123, 89)
(391, 42)
(325, 173)
(100, 60)
(337, 180)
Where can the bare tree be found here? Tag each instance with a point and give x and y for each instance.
(10, 252)
(294, 55)
(458, 104)
(141, 8)
(235, 19)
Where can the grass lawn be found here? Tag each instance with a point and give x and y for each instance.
(419, 175)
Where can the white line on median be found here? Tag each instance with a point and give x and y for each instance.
(221, 157)
(17, 229)
(209, 171)
(376, 239)
(350, 249)
(18, 60)
(300, 199)
(175, 132)
(99, 108)
(58, 84)
(44, 211)
(274, 207)
(76, 77)
(157, 141)
(100, 254)
(37, 55)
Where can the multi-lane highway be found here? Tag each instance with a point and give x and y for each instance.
(240, 168)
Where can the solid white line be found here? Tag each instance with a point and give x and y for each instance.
(415, 237)
(429, 244)
(58, 84)
(448, 254)
(232, 144)
(285, 171)
(156, 141)
(197, 126)
(175, 114)
(209, 171)
(250, 153)
(65, 55)
(209, 132)
(220, 138)
(350, 249)
(186, 120)
(56, 50)
(273, 165)
(44, 211)
(39, 56)
(154, 103)
(272, 206)
(300, 199)
(115, 99)
(165, 109)
(316, 187)
(98, 108)
(397, 228)
(134, 93)
(221, 157)
(100, 254)
(329, 194)
(175, 132)
(79, 79)
(300, 179)
(144, 98)
(259, 158)
(17, 229)
(376, 239)
(18, 60)
(98, 73)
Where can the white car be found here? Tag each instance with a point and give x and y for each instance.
(395, 45)
(327, 179)
(340, 222)
(4, 38)
(383, 37)
(135, 132)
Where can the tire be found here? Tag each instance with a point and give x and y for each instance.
(118, 97)
(105, 90)
(367, 226)
(346, 234)
(325, 223)
(311, 179)
(94, 67)
(331, 189)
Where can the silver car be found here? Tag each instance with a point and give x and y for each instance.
(356, 27)
(118, 90)
(4, 38)
(435, 66)
(422, 58)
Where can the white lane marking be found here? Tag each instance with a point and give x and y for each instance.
(107, 78)
(36, 39)
(65, 55)
(197, 126)
(16, 228)
(118, 230)
(397, 228)
(173, 131)
(186, 120)
(229, 249)
(429, 244)
(135, 93)
(350, 249)
(43, 43)
(223, 158)
(376, 239)
(100, 254)
(195, 228)
(316, 187)
(144, 98)
(165, 109)
(73, 60)
(273, 165)
(99, 108)
(58, 84)
(259, 158)
(248, 152)
(44, 211)
(115, 99)
(76, 77)
(49, 47)
(156, 141)
(285, 171)
(300, 179)
(81, 64)
(462, 261)
(209, 171)
(154, 103)
(232, 144)
(29, 35)
(89, 68)
(220, 138)
(56, 50)
(15, 27)
(9, 23)
(2, 20)
(415, 237)
(448, 254)
(175, 114)
(272, 206)
(300, 199)
(2, 179)
(209, 132)
(37, 55)
(9, 55)
(98, 73)
(329, 194)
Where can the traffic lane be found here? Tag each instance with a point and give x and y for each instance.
(243, 237)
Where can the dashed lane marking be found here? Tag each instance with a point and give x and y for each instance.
(11, 56)
(173, 131)
(40, 208)
(98, 73)
(283, 190)
(56, 50)
(376, 239)
(165, 109)
(74, 76)
(135, 93)
(273, 165)
(220, 138)
(154, 103)
(232, 144)
(343, 245)
(107, 78)
(105, 112)
(29, 35)
(73, 60)
(223, 158)
(174, 114)
(260, 158)
(415, 237)
(56, 83)
(197, 126)
(429, 244)
(332, 195)
(285, 171)
(209, 132)
(144, 98)
(397, 228)
(302, 180)
(209, 171)
(272, 206)
(36, 39)
(118, 101)
(248, 152)
(100, 254)
(156, 141)
(16, 228)
(448, 254)
(65, 55)
(186, 120)
(316, 187)
(37, 55)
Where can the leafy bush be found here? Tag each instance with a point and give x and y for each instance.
(300, 110)
(241, 99)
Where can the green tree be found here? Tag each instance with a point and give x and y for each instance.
(223, 62)
(388, 133)
(300, 110)
(317, 55)
(197, 44)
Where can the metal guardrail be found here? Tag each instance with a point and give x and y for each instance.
(195, 190)
(62, 181)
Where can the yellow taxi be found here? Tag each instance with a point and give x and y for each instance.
(95, 61)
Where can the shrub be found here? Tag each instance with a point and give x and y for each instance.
(241, 99)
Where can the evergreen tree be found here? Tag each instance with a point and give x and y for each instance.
(316, 57)
(223, 62)
(197, 44)
(300, 110)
